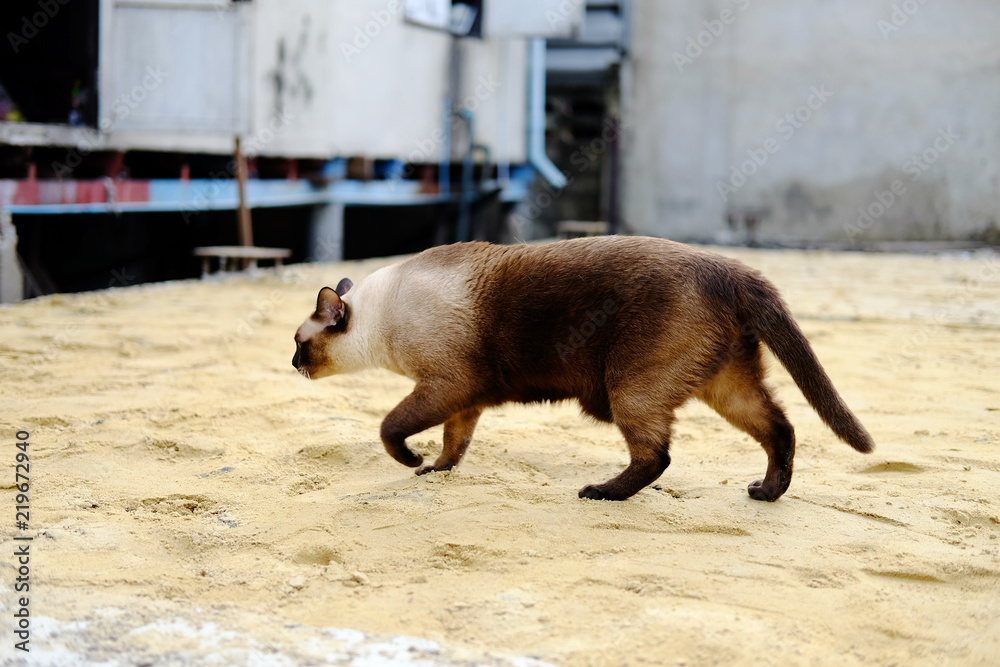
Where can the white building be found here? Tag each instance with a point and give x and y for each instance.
(421, 82)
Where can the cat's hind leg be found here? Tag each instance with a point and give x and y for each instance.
(739, 394)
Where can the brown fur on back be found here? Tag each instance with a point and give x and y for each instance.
(632, 327)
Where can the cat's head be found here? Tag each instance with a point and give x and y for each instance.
(316, 340)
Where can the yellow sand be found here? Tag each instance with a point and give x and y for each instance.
(192, 495)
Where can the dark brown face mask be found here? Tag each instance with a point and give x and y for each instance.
(330, 317)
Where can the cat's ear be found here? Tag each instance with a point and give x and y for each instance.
(344, 286)
(329, 308)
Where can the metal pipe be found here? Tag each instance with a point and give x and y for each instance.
(503, 118)
(536, 118)
(444, 159)
(465, 201)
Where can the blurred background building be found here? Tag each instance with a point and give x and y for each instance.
(378, 127)
(724, 94)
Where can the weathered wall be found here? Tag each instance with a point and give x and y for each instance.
(358, 80)
(812, 109)
(299, 78)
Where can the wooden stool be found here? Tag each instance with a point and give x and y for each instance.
(569, 228)
(225, 253)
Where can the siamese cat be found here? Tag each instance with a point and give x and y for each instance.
(630, 327)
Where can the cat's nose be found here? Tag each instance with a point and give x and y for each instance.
(295, 360)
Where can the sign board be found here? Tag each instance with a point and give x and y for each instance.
(430, 13)
(501, 18)
(533, 18)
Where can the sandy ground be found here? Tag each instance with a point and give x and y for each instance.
(194, 500)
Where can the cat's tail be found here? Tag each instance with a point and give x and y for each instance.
(760, 305)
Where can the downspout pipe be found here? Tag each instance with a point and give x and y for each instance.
(536, 117)
(444, 161)
(465, 201)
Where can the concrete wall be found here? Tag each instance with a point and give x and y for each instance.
(812, 109)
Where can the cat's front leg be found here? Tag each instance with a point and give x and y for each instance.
(457, 436)
(428, 405)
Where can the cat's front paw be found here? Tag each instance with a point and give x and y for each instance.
(410, 459)
(434, 467)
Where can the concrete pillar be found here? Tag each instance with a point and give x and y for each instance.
(674, 142)
(11, 280)
(326, 233)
